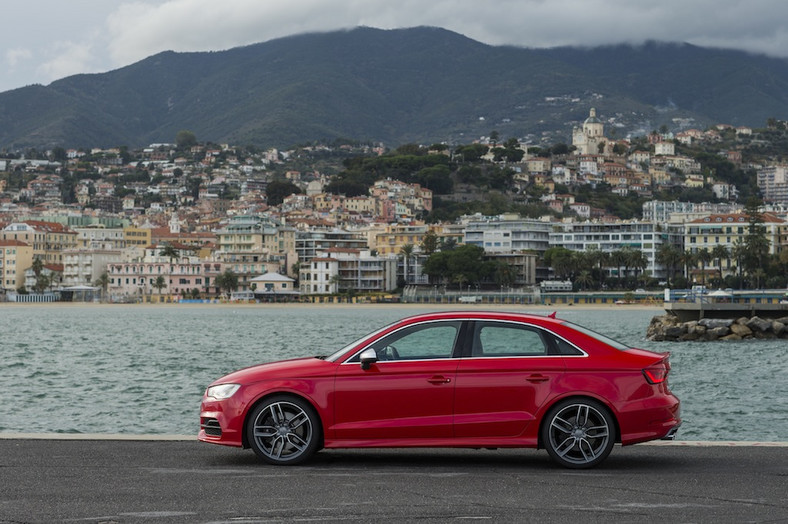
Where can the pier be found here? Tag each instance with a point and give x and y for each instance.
(697, 304)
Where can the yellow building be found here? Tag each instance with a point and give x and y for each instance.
(48, 239)
(15, 257)
(138, 236)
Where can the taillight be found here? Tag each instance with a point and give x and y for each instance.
(658, 373)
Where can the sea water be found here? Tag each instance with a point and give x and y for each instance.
(137, 369)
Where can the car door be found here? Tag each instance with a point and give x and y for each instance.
(407, 394)
(503, 379)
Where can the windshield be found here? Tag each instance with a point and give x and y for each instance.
(335, 356)
(602, 338)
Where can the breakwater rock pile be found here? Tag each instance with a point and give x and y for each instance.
(669, 328)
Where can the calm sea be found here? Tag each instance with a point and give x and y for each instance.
(143, 369)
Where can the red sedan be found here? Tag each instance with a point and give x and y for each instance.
(451, 379)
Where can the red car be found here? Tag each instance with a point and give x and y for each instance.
(451, 379)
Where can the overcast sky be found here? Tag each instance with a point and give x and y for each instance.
(44, 40)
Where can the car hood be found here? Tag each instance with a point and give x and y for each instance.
(294, 368)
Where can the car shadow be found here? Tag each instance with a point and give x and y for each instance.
(621, 459)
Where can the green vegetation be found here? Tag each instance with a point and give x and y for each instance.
(411, 85)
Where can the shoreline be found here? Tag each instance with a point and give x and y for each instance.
(409, 305)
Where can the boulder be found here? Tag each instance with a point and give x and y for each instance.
(778, 328)
(758, 324)
(741, 330)
(717, 332)
(674, 332)
(732, 336)
(713, 323)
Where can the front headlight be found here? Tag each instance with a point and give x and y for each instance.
(222, 391)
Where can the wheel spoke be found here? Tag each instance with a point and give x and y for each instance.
(298, 420)
(296, 441)
(264, 431)
(561, 425)
(582, 444)
(566, 446)
(582, 415)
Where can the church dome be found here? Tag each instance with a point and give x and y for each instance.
(592, 119)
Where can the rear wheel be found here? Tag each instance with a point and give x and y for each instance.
(578, 433)
(284, 430)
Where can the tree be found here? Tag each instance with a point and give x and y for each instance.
(102, 282)
(429, 243)
(505, 274)
(584, 279)
(42, 283)
(185, 139)
(227, 281)
(160, 283)
(278, 190)
(406, 252)
(560, 259)
(720, 253)
(757, 245)
(169, 252)
(688, 260)
(703, 256)
(669, 256)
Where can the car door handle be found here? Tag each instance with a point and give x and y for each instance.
(438, 379)
(537, 378)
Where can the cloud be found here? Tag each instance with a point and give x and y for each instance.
(98, 35)
(139, 29)
(17, 55)
(68, 58)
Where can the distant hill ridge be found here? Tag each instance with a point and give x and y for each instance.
(420, 85)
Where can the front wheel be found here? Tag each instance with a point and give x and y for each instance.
(578, 433)
(283, 430)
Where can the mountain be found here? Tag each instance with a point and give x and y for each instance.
(396, 86)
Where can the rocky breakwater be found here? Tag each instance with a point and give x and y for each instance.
(669, 328)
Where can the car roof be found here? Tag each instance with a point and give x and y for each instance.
(543, 320)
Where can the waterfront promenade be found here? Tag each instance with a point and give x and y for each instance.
(179, 481)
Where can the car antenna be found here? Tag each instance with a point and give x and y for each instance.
(552, 315)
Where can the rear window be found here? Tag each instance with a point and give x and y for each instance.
(603, 338)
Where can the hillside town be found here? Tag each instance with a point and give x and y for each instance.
(192, 221)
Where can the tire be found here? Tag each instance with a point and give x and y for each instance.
(284, 430)
(578, 433)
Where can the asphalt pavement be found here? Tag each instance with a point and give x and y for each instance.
(108, 481)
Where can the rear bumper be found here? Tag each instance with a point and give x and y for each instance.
(658, 418)
(671, 435)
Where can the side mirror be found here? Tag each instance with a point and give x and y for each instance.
(368, 357)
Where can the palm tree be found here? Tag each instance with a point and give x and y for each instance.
(739, 252)
(720, 252)
(102, 282)
(584, 279)
(170, 252)
(688, 260)
(703, 257)
(669, 256)
(160, 283)
(638, 260)
(406, 252)
(618, 259)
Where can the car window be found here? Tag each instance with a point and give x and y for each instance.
(424, 341)
(507, 340)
